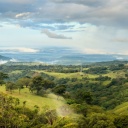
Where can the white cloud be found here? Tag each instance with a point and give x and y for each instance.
(94, 51)
(54, 35)
(93, 24)
(3, 62)
(26, 50)
(25, 14)
(19, 49)
(111, 12)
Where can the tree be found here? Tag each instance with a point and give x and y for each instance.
(9, 117)
(59, 90)
(82, 95)
(36, 84)
(26, 81)
(121, 121)
(3, 76)
(39, 85)
(10, 86)
(99, 120)
(20, 84)
(47, 84)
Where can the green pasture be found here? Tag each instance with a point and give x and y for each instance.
(121, 109)
(52, 101)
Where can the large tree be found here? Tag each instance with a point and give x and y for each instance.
(3, 76)
(39, 85)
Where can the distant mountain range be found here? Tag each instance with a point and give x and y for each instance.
(3, 58)
(56, 55)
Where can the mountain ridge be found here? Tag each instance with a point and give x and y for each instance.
(4, 58)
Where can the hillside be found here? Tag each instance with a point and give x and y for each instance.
(4, 58)
(121, 109)
(59, 55)
(51, 101)
(87, 93)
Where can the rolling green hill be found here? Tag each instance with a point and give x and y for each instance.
(51, 101)
(97, 93)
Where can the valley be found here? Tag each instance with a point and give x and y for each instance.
(76, 92)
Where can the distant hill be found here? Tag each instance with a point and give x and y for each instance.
(4, 58)
(59, 55)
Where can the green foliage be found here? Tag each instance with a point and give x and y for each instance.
(83, 96)
(97, 70)
(10, 86)
(8, 115)
(121, 121)
(103, 78)
(3, 76)
(20, 84)
(80, 108)
(99, 120)
(103, 84)
(59, 89)
(39, 85)
(14, 116)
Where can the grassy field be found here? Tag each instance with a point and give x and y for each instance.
(77, 75)
(16, 72)
(51, 101)
(121, 109)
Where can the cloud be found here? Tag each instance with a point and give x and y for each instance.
(124, 53)
(122, 40)
(94, 51)
(94, 24)
(17, 1)
(98, 12)
(84, 2)
(26, 14)
(29, 50)
(54, 35)
(19, 49)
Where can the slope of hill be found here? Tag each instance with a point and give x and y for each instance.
(4, 58)
(51, 101)
(121, 109)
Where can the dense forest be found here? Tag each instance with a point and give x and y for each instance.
(94, 96)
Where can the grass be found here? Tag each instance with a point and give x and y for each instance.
(50, 101)
(121, 109)
(115, 74)
(16, 72)
(63, 75)
(77, 75)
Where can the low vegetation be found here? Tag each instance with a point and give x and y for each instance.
(55, 96)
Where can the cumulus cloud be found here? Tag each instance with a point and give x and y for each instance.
(98, 12)
(54, 35)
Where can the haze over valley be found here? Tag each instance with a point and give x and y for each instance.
(56, 55)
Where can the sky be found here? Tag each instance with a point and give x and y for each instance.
(92, 26)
